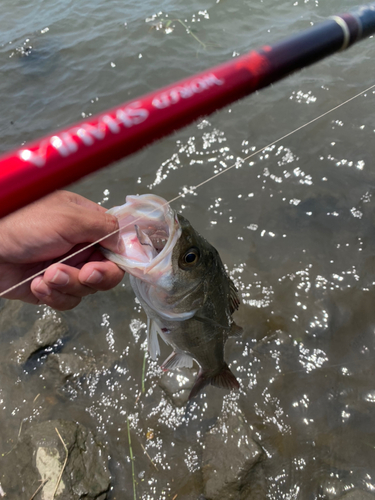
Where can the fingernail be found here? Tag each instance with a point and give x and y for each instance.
(60, 278)
(94, 278)
(43, 290)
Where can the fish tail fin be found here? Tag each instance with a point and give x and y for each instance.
(224, 379)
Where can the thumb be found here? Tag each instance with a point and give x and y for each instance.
(113, 241)
(97, 223)
(97, 226)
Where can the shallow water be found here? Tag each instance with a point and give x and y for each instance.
(294, 225)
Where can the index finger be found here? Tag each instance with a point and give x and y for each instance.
(84, 202)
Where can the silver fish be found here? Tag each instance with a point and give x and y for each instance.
(182, 285)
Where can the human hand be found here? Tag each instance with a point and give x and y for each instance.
(38, 235)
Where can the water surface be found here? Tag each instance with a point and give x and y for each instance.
(293, 224)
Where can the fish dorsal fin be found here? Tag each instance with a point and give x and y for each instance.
(177, 360)
(234, 300)
(152, 338)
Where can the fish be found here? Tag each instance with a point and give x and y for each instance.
(183, 287)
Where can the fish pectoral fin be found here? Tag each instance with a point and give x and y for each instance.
(235, 330)
(152, 338)
(223, 378)
(177, 360)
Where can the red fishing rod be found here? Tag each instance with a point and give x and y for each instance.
(59, 159)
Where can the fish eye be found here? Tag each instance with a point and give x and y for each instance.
(190, 258)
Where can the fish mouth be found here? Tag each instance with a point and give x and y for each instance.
(155, 237)
(149, 229)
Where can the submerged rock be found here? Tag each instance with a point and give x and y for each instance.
(39, 458)
(357, 495)
(72, 373)
(70, 365)
(44, 333)
(229, 456)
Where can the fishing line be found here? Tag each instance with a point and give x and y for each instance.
(194, 188)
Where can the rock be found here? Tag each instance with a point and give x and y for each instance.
(357, 495)
(44, 333)
(255, 487)
(330, 488)
(72, 373)
(229, 457)
(70, 365)
(39, 457)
